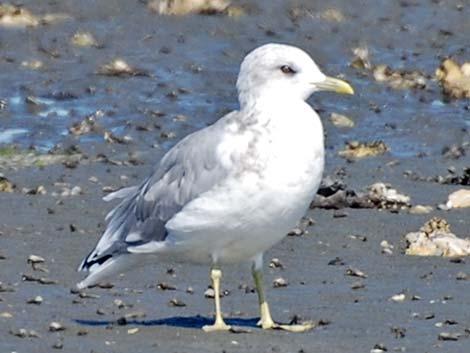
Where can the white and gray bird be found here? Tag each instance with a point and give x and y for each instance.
(227, 193)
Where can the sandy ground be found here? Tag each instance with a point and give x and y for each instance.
(192, 64)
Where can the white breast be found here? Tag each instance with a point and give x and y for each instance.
(266, 196)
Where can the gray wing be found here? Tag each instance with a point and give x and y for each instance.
(190, 168)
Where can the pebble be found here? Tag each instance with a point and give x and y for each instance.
(132, 331)
(459, 199)
(276, 263)
(56, 326)
(177, 302)
(340, 120)
(6, 315)
(209, 293)
(37, 300)
(398, 298)
(420, 209)
(461, 276)
(447, 336)
(354, 272)
(280, 282)
(24, 333)
(165, 286)
(35, 259)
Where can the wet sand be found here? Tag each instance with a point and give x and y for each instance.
(192, 63)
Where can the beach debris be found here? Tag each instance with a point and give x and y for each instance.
(394, 78)
(342, 121)
(399, 79)
(459, 199)
(12, 16)
(5, 184)
(38, 190)
(452, 178)
(334, 194)
(87, 125)
(387, 248)
(448, 336)
(6, 288)
(120, 68)
(357, 149)
(24, 333)
(355, 272)
(384, 196)
(37, 300)
(455, 151)
(209, 293)
(55, 326)
(454, 79)
(276, 263)
(32, 64)
(420, 209)
(185, 7)
(361, 59)
(461, 276)
(17, 17)
(435, 239)
(5, 315)
(132, 331)
(84, 39)
(379, 348)
(112, 138)
(398, 298)
(177, 303)
(332, 15)
(165, 286)
(280, 282)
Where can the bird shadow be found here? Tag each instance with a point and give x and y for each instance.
(174, 321)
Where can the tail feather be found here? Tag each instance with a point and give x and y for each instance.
(106, 266)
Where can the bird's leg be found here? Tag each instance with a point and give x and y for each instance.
(266, 321)
(219, 324)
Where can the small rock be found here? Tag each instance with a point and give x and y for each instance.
(447, 336)
(435, 239)
(185, 7)
(209, 293)
(35, 259)
(398, 298)
(37, 300)
(56, 326)
(177, 302)
(356, 149)
(455, 79)
(296, 232)
(84, 39)
(461, 276)
(119, 68)
(132, 331)
(5, 184)
(58, 345)
(343, 121)
(280, 282)
(354, 272)
(459, 199)
(420, 209)
(165, 286)
(6, 315)
(276, 263)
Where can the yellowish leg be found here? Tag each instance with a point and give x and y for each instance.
(266, 321)
(219, 324)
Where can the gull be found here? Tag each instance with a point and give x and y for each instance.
(227, 193)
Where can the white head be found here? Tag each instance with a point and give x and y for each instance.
(283, 71)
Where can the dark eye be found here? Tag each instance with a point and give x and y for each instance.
(288, 70)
